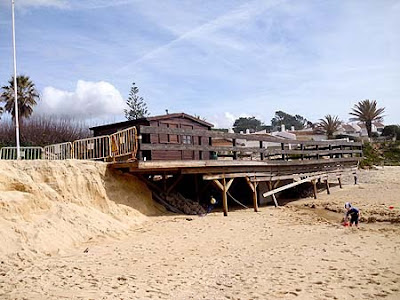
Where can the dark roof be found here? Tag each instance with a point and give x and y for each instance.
(153, 118)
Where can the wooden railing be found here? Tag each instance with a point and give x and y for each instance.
(269, 147)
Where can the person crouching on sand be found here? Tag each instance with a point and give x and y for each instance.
(353, 212)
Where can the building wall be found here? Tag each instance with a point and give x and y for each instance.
(175, 139)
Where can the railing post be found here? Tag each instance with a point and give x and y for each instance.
(234, 152)
(317, 148)
(261, 153)
(139, 152)
(302, 151)
(283, 148)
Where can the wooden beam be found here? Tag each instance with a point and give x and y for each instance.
(218, 184)
(273, 195)
(174, 184)
(288, 186)
(228, 185)
(150, 183)
(234, 175)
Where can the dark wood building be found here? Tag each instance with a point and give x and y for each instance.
(174, 120)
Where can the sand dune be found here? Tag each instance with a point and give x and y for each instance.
(292, 252)
(46, 207)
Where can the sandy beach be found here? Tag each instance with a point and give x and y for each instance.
(297, 251)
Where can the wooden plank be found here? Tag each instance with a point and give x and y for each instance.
(288, 186)
(273, 195)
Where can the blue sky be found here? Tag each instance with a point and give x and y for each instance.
(216, 59)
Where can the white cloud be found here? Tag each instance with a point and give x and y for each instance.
(89, 100)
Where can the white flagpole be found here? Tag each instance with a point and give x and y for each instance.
(15, 85)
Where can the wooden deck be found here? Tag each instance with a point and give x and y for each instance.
(273, 160)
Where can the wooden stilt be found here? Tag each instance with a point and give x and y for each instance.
(224, 198)
(327, 187)
(340, 182)
(253, 187)
(355, 178)
(314, 182)
(224, 187)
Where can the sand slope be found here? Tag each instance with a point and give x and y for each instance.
(49, 206)
(292, 252)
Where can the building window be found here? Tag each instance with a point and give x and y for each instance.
(186, 139)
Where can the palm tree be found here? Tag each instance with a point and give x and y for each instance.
(330, 124)
(27, 96)
(365, 111)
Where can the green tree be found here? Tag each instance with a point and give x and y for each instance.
(26, 93)
(250, 123)
(137, 106)
(392, 131)
(366, 111)
(282, 118)
(330, 124)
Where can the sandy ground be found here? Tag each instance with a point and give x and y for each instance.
(292, 252)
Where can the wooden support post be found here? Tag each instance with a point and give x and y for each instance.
(327, 187)
(283, 148)
(224, 187)
(330, 148)
(261, 153)
(253, 187)
(317, 148)
(355, 178)
(340, 182)
(225, 198)
(314, 182)
(273, 195)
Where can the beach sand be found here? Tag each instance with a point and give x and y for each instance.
(291, 252)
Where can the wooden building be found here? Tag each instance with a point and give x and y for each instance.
(174, 121)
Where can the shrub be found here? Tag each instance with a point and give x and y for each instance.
(43, 130)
